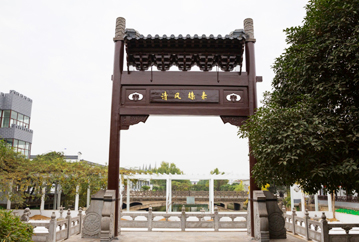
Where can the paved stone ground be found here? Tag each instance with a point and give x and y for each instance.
(184, 237)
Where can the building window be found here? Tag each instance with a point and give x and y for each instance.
(9, 117)
(5, 122)
(19, 146)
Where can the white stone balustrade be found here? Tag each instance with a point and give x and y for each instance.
(183, 220)
(322, 231)
(57, 230)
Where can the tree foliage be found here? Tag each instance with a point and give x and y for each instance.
(308, 128)
(22, 179)
(12, 229)
(218, 183)
(167, 168)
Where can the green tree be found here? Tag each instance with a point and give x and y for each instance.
(22, 179)
(166, 168)
(218, 183)
(308, 128)
(239, 187)
(15, 175)
(184, 185)
(55, 170)
(202, 185)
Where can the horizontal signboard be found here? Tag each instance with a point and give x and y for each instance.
(184, 96)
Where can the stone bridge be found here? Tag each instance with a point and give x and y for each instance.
(140, 200)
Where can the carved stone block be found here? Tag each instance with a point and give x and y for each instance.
(108, 214)
(268, 217)
(275, 217)
(92, 221)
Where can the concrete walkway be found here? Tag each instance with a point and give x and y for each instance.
(184, 237)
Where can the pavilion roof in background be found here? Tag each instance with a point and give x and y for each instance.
(206, 52)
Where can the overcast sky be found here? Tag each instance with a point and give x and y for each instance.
(60, 54)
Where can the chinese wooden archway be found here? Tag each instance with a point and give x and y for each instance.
(138, 94)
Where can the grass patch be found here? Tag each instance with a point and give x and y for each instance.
(348, 211)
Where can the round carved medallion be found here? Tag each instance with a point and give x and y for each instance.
(92, 223)
(276, 222)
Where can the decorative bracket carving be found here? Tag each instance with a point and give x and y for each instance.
(128, 120)
(234, 120)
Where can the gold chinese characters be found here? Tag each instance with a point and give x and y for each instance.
(164, 96)
(177, 95)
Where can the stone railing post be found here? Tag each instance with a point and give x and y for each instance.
(183, 219)
(80, 222)
(68, 217)
(293, 219)
(306, 217)
(216, 219)
(149, 218)
(52, 229)
(61, 211)
(325, 229)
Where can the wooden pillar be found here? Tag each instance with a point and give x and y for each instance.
(114, 152)
(251, 70)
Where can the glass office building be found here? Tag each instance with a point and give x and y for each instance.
(15, 117)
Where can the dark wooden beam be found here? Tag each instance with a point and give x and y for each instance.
(178, 78)
(184, 110)
(114, 152)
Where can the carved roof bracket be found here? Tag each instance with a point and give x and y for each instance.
(234, 120)
(128, 120)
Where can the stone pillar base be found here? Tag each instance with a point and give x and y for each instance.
(99, 219)
(268, 217)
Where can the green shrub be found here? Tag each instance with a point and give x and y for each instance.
(145, 188)
(12, 229)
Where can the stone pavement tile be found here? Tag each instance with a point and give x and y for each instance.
(290, 238)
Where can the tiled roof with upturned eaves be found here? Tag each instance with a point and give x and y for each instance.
(184, 51)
